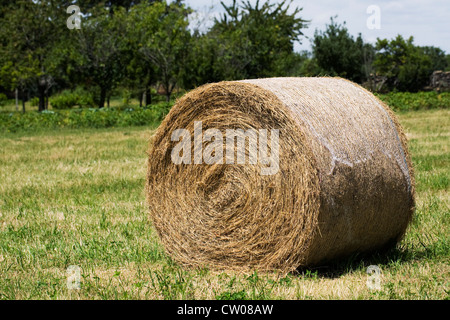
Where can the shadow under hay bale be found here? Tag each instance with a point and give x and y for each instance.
(344, 182)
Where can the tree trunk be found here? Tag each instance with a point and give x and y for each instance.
(148, 89)
(101, 103)
(23, 101)
(17, 99)
(41, 90)
(168, 90)
(148, 96)
(141, 98)
(46, 100)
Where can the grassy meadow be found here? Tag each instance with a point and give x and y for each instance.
(76, 197)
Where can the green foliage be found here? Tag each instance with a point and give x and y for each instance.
(64, 100)
(100, 51)
(405, 66)
(34, 102)
(407, 101)
(310, 67)
(162, 37)
(247, 42)
(437, 56)
(126, 97)
(339, 54)
(3, 99)
(68, 99)
(29, 31)
(140, 45)
(82, 118)
(136, 116)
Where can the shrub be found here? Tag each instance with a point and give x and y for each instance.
(85, 98)
(160, 110)
(3, 99)
(34, 101)
(64, 100)
(78, 118)
(407, 101)
(68, 99)
(126, 97)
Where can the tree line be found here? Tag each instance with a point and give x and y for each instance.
(142, 44)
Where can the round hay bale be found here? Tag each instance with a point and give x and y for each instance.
(341, 183)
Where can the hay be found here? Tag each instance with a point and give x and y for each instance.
(344, 182)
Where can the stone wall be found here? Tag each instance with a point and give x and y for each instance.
(440, 80)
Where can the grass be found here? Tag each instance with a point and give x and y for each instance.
(75, 197)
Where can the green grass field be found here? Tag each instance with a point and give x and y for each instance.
(76, 197)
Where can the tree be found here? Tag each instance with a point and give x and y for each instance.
(255, 41)
(99, 7)
(163, 40)
(19, 76)
(309, 66)
(437, 56)
(201, 59)
(99, 51)
(339, 54)
(142, 73)
(28, 31)
(404, 66)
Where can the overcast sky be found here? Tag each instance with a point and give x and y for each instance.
(428, 21)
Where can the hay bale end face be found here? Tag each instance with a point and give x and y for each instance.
(342, 181)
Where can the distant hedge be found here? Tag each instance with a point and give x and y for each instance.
(83, 118)
(408, 101)
(137, 116)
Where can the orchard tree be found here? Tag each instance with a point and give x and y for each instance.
(140, 77)
(437, 56)
(28, 32)
(142, 73)
(339, 54)
(201, 66)
(404, 66)
(163, 40)
(254, 41)
(99, 51)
